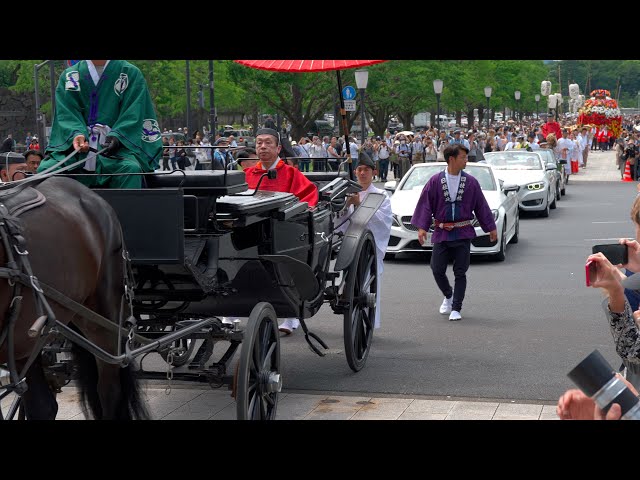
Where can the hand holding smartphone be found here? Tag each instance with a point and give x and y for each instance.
(590, 272)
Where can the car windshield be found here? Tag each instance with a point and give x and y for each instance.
(547, 155)
(513, 160)
(419, 176)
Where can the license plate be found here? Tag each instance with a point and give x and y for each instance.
(428, 242)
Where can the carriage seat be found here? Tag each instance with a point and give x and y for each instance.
(200, 182)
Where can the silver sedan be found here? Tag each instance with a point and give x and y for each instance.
(537, 179)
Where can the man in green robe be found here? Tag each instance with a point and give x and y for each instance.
(105, 103)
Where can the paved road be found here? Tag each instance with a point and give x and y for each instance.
(526, 322)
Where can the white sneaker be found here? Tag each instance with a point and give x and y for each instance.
(455, 315)
(289, 325)
(445, 308)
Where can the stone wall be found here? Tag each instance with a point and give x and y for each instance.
(17, 114)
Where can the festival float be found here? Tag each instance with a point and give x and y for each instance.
(601, 110)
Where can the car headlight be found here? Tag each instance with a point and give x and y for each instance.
(395, 221)
(535, 186)
(496, 214)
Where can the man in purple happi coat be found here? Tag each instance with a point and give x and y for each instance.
(453, 231)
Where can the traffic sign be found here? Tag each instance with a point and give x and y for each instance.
(350, 105)
(348, 92)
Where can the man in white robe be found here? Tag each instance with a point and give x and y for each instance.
(380, 223)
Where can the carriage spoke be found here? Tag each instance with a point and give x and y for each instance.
(269, 354)
(367, 283)
(263, 407)
(251, 408)
(255, 410)
(266, 334)
(270, 400)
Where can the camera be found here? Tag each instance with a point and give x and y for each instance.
(595, 377)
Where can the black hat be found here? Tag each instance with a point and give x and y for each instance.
(365, 159)
(269, 131)
(7, 158)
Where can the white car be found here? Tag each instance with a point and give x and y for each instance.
(502, 200)
(537, 179)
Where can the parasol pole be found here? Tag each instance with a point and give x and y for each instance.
(343, 114)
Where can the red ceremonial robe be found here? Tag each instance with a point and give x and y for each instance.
(289, 179)
(552, 127)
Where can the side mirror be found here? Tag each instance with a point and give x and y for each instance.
(551, 166)
(510, 187)
(391, 185)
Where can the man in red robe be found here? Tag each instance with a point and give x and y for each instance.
(551, 127)
(289, 179)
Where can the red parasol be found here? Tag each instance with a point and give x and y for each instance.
(293, 66)
(306, 66)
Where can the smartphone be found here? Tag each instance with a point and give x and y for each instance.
(590, 272)
(616, 253)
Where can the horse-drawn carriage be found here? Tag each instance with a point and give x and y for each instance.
(204, 248)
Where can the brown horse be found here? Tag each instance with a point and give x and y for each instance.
(74, 243)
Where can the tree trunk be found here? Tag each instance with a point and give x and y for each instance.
(406, 117)
(470, 117)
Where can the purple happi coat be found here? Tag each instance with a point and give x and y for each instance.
(436, 202)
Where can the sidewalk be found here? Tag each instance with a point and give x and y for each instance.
(186, 402)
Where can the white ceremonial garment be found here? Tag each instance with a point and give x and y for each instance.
(380, 226)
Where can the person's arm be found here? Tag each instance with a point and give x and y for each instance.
(69, 126)
(422, 215)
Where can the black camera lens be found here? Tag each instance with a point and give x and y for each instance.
(595, 377)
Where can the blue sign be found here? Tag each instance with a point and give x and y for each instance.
(71, 63)
(348, 93)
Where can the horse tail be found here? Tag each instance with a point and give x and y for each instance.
(87, 378)
(132, 404)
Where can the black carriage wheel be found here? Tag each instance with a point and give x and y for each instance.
(360, 290)
(259, 379)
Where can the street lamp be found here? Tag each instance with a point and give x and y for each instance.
(537, 107)
(362, 78)
(518, 116)
(487, 93)
(437, 88)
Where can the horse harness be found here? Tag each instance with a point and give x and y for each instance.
(18, 272)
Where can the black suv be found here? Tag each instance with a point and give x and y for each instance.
(321, 128)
